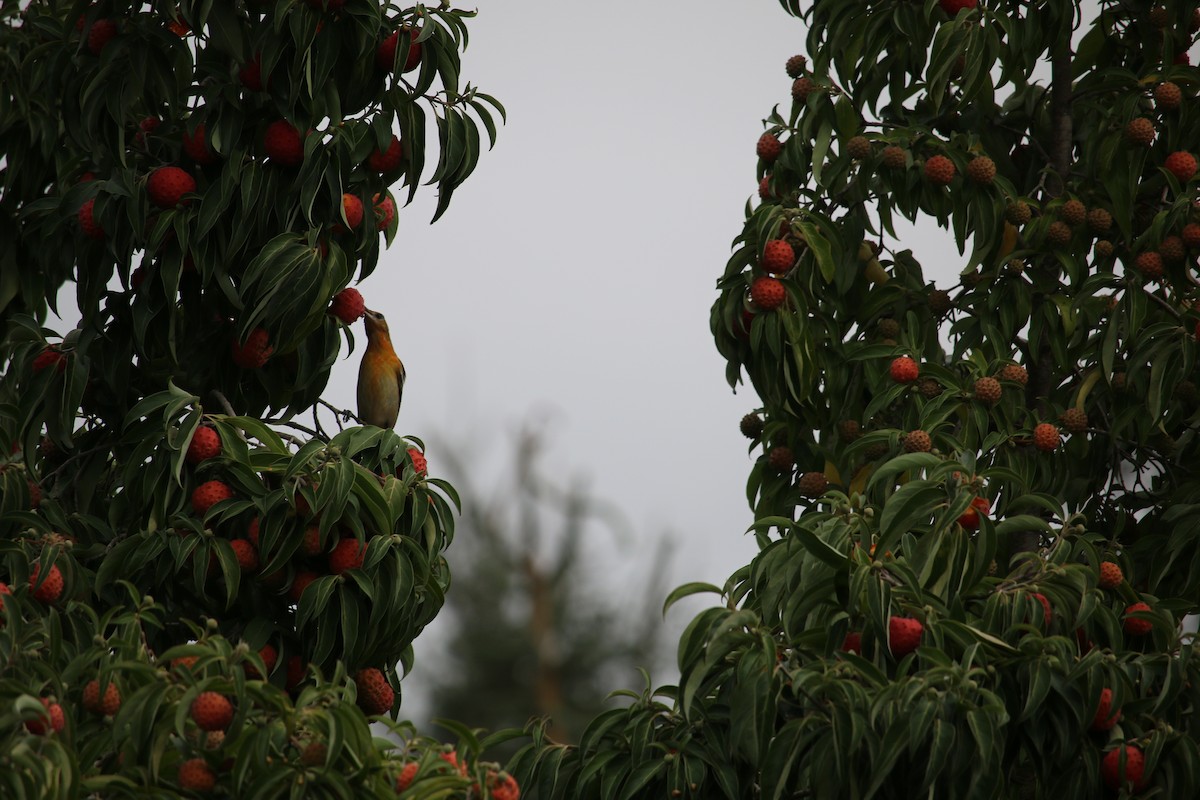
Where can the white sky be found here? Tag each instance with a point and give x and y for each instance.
(571, 277)
(573, 273)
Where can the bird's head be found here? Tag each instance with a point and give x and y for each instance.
(375, 322)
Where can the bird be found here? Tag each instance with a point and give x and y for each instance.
(380, 375)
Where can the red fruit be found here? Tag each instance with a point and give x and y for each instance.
(251, 74)
(147, 125)
(767, 293)
(904, 635)
(385, 211)
(208, 494)
(50, 589)
(101, 33)
(295, 672)
(179, 27)
(1191, 235)
(87, 222)
(1136, 626)
(987, 390)
(106, 706)
(352, 208)
(917, 442)
(205, 444)
(212, 711)
(981, 170)
(504, 787)
(195, 774)
(195, 145)
(1167, 96)
(310, 545)
(375, 696)
(348, 305)
(167, 186)
(252, 531)
(35, 493)
(1047, 616)
(1134, 772)
(768, 148)
(451, 758)
(347, 554)
(300, 583)
(420, 465)
(1046, 437)
(904, 370)
(1140, 131)
(283, 144)
(405, 778)
(1149, 264)
(246, 554)
(952, 7)
(1015, 373)
(51, 355)
(764, 188)
(1182, 165)
(389, 160)
(385, 55)
(1105, 717)
(970, 517)
(269, 657)
(852, 643)
(939, 170)
(1111, 576)
(778, 257)
(4, 590)
(812, 484)
(184, 663)
(57, 719)
(255, 352)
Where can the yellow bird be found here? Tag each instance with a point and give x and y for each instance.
(380, 376)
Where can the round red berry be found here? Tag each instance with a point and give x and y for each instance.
(778, 257)
(1046, 437)
(769, 147)
(1137, 626)
(1134, 768)
(904, 370)
(348, 305)
(767, 293)
(208, 494)
(1182, 165)
(49, 590)
(205, 444)
(939, 170)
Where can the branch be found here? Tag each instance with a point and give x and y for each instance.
(224, 401)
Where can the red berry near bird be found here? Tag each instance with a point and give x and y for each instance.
(380, 375)
(347, 305)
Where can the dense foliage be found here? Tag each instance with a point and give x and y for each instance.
(976, 505)
(200, 592)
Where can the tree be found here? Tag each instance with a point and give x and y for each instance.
(976, 505)
(199, 595)
(529, 633)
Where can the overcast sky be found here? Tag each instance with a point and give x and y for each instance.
(572, 276)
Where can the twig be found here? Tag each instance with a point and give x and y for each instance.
(224, 401)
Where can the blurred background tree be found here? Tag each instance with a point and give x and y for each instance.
(533, 628)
